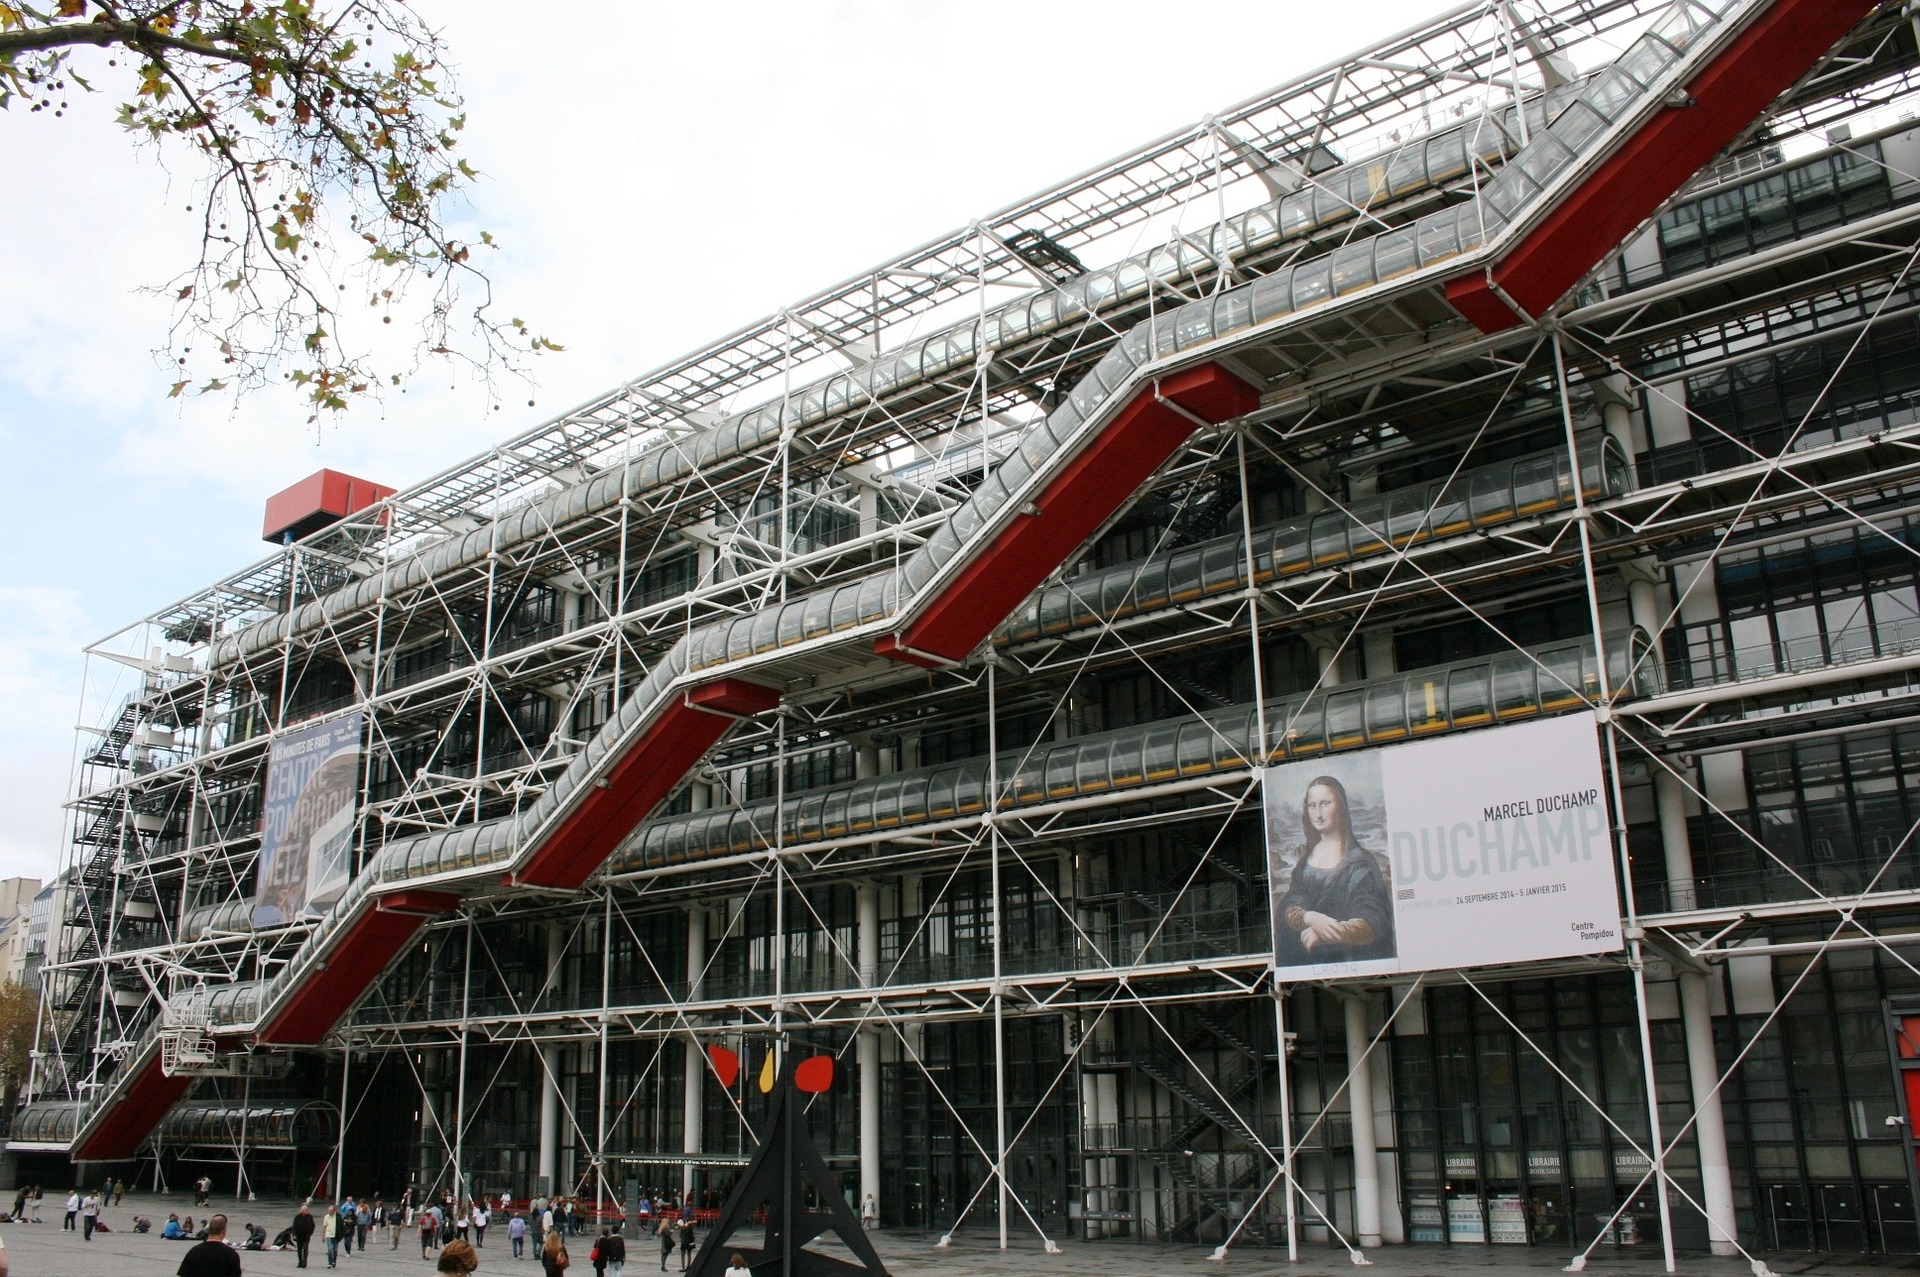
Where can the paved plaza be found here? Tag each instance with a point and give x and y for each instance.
(47, 1250)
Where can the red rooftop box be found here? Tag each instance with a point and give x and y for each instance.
(323, 497)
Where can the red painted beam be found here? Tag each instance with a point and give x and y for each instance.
(642, 776)
(1728, 94)
(427, 904)
(1084, 495)
(133, 1117)
(734, 696)
(360, 951)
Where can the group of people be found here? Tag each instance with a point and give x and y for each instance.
(349, 1223)
(26, 1205)
(82, 1208)
(343, 1226)
(87, 1211)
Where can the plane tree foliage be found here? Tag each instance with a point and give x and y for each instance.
(323, 140)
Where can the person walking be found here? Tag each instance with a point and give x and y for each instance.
(666, 1242)
(396, 1220)
(554, 1259)
(870, 1214)
(212, 1257)
(482, 1216)
(202, 1191)
(73, 1210)
(349, 1220)
(429, 1231)
(363, 1218)
(517, 1235)
(598, 1255)
(89, 1216)
(330, 1233)
(302, 1235)
(119, 1191)
(687, 1241)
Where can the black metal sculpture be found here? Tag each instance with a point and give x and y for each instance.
(784, 1166)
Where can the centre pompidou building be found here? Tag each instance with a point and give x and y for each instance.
(1042, 672)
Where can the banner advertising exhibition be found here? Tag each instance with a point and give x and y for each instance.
(1460, 851)
(306, 835)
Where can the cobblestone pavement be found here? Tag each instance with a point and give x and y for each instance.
(46, 1250)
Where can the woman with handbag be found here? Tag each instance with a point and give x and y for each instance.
(553, 1256)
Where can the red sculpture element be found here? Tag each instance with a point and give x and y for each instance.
(815, 1074)
(726, 1065)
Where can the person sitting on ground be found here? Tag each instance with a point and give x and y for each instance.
(141, 1224)
(283, 1239)
(186, 1226)
(457, 1257)
(173, 1232)
(212, 1257)
(256, 1238)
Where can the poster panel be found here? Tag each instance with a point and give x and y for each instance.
(306, 834)
(1460, 851)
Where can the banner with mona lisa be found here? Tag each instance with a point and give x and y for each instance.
(1467, 850)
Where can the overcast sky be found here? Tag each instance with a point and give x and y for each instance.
(658, 174)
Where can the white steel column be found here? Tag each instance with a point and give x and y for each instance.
(1670, 799)
(550, 1075)
(692, 1109)
(340, 1143)
(867, 903)
(1366, 1152)
(999, 988)
(460, 1089)
(1710, 1125)
(1616, 413)
(1636, 960)
(1326, 654)
(1696, 1016)
(1286, 1119)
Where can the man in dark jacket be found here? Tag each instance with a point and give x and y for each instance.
(212, 1257)
(302, 1234)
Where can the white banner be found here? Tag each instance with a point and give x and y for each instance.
(1461, 851)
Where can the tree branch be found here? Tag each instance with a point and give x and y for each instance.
(103, 31)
